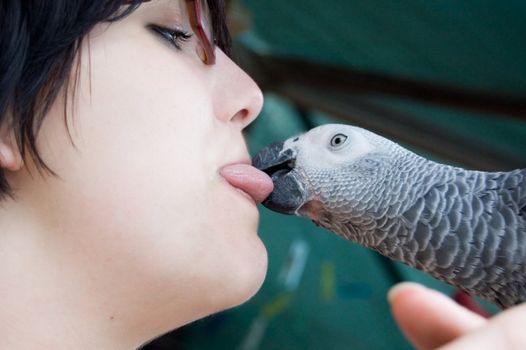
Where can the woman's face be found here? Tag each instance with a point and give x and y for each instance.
(139, 206)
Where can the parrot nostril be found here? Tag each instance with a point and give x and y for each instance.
(275, 161)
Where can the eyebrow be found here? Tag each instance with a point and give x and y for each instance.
(171, 8)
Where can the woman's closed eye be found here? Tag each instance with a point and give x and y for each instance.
(176, 37)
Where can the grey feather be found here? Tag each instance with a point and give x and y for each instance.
(467, 228)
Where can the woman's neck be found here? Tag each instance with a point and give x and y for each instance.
(52, 299)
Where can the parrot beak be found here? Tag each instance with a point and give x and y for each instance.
(288, 194)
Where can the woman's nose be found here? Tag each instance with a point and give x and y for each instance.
(237, 98)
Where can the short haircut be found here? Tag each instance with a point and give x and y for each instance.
(39, 43)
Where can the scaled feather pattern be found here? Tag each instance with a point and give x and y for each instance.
(464, 227)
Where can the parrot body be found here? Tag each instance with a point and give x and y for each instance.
(467, 228)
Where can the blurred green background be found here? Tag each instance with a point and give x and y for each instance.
(444, 78)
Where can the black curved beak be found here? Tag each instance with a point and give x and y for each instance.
(279, 164)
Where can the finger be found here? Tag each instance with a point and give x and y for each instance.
(428, 318)
(504, 331)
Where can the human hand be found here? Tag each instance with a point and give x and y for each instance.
(431, 320)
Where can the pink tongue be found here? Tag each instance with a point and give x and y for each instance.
(249, 179)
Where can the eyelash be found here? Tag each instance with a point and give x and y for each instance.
(176, 37)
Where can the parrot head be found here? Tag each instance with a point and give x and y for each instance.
(325, 171)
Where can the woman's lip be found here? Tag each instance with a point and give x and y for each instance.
(249, 179)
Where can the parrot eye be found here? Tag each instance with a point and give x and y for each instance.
(338, 140)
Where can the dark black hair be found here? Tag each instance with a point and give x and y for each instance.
(39, 41)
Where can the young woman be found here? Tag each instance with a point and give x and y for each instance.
(127, 199)
(138, 230)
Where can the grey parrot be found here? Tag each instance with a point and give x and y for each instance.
(464, 227)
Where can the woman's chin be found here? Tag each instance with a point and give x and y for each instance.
(253, 274)
(244, 276)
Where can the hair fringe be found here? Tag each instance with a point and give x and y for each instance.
(38, 44)
(40, 57)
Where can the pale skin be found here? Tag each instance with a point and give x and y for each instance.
(139, 234)
(430, 320)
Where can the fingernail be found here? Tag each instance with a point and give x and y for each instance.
(396, 289)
